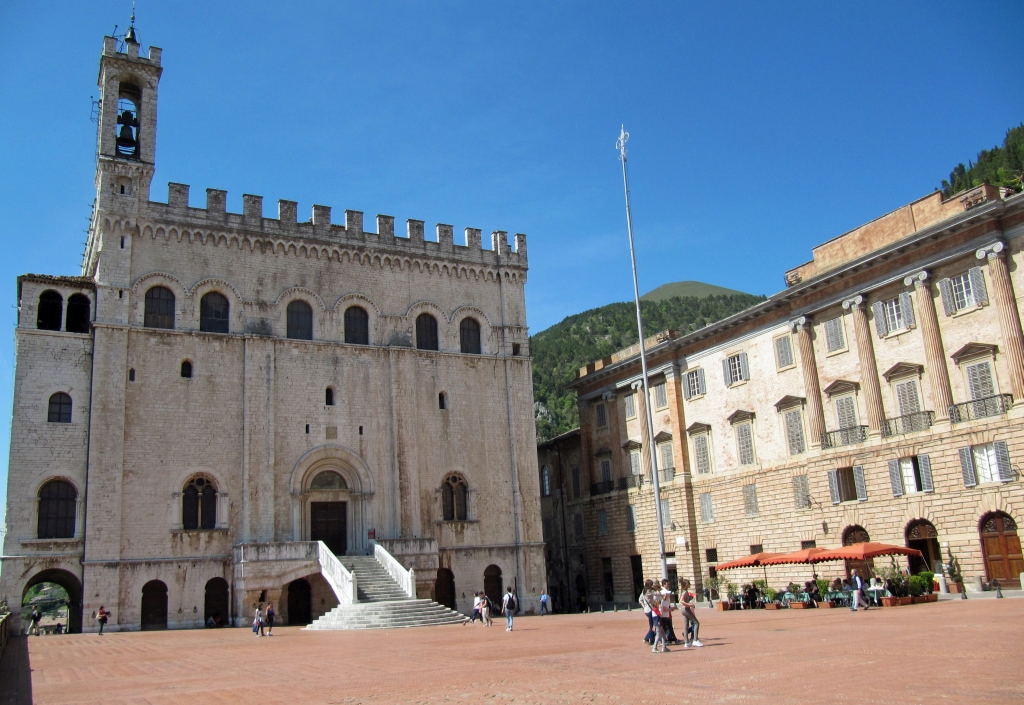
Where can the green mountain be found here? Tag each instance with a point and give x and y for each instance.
(684, 289)
(999, 166)
(559, 351)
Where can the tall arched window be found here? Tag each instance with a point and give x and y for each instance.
(78, 314)
(213, 313)
(199, 505)
(159, 308)
(186, 369)
(426, 332)
(453, 499)
(57, 510)
(469, 336)
(51, 308)
(59, 410)
(300, 320)
(329, 397)
(357, 326)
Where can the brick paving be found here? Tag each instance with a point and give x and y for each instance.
(949, 651)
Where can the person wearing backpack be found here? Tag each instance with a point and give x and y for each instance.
(508, 606)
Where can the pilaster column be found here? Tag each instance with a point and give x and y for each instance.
(938, 372)
(1009, 316)
(680, 456)
(868, 368)
(586, 446)
(641, 416)
(674, 387)
(812, 386)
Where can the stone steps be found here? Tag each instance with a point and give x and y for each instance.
(382, 603)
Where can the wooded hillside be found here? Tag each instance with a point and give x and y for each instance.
(999, 166)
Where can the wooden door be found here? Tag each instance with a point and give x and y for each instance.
(1001, 548)
(328, 525)
(154, 606)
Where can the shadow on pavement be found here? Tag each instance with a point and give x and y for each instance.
(15, 673)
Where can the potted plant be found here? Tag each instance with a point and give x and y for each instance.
(770, 603)
(729, 588)
(917, 586)
(897, 584)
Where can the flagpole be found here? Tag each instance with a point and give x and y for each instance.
(621, 146)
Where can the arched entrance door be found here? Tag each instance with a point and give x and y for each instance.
(444, 588)
(493, 587)
(154, 606)
(1000, 546)
(72, 587)
(300, 609)
(328, 511)
(923, 536)
(216, 604)
(857, 534)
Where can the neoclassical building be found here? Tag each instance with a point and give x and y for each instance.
(879, 396)
(217, 390)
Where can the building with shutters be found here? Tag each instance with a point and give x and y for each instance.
(879, 396)
(218, 391)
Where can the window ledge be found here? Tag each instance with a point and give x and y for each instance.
(450, 522)
(219, 529)
(840, 351)
(898, 333)
(695, 397)
(992, 484)
(966, 310)
(787, 367)
(37, 542)
(738, 383)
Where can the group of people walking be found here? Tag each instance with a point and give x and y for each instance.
(658, 605)
(483, 607)
(264, 620)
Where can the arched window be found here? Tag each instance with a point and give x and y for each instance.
(442, 401)
(127, 130)
(357, 326)
(159, 308)
(59, 410)
(426, 332)
(186, 369)
(213, 313)
(199, 505)
(545, 481)
(57, 510)
(300, 320)
(329, 400)
(51, 308)
(469, 336)
(855, 534)
(453, 499)
(78, 314)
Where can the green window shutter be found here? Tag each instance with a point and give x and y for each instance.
(859, 483)
(977, 278)
(895, 478)
(879, 313)
(1003, 461)
(833, 485)
(924, 464)
(967, 467)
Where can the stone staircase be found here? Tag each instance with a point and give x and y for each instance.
(382, 603)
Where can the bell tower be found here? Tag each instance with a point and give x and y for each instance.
(126, 142)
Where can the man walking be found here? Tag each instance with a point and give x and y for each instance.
(508, 606)
(36, 616)
(857, 587)
(544, 603)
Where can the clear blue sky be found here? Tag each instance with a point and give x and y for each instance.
(758, 129)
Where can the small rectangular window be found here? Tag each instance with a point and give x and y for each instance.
(834, 338)
(804, 545)
(783, 352)
(745, 443)
(666, 514)
(701, 453)
(845, 484)
(660, 396)
(634, 462)
(846, 412)
(756, 548)
(750, 500)
(963, 292)
(711, 554)
(602, 416)
(801, 492)
(630, 517)
(894, 314)
(986, 462)
(735, 369)
(602, 522)
(907, 398)
(795, 432)
(694, 383)
(606, 470)
(666, 456)
(707, 512)
(980, 384)
(629, 403)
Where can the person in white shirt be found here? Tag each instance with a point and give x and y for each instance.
(476, 609)
(544, 603)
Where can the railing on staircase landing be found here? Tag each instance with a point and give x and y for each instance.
(338, 576)
(406, 579)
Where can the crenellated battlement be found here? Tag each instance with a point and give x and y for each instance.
(132, 51)
(321, 227)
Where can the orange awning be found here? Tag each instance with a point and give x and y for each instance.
(864, 551)
(807, 555)
(750, 561)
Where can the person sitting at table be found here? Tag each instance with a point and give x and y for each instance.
(813, 594)
(752, 596)
(837, 585)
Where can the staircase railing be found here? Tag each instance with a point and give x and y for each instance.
(406, 579)
(337, 575)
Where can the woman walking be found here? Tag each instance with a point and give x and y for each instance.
(270, 619)
(688, 604)
(645, 604)
(101, 617)
(257, 622)
(661, 607)
(485, 609)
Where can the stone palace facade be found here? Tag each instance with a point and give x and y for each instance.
(880, 395)
(217, 388)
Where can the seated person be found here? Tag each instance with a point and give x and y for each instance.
(813, 592)
(837, 585)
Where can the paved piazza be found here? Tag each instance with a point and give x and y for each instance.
(954, 652)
